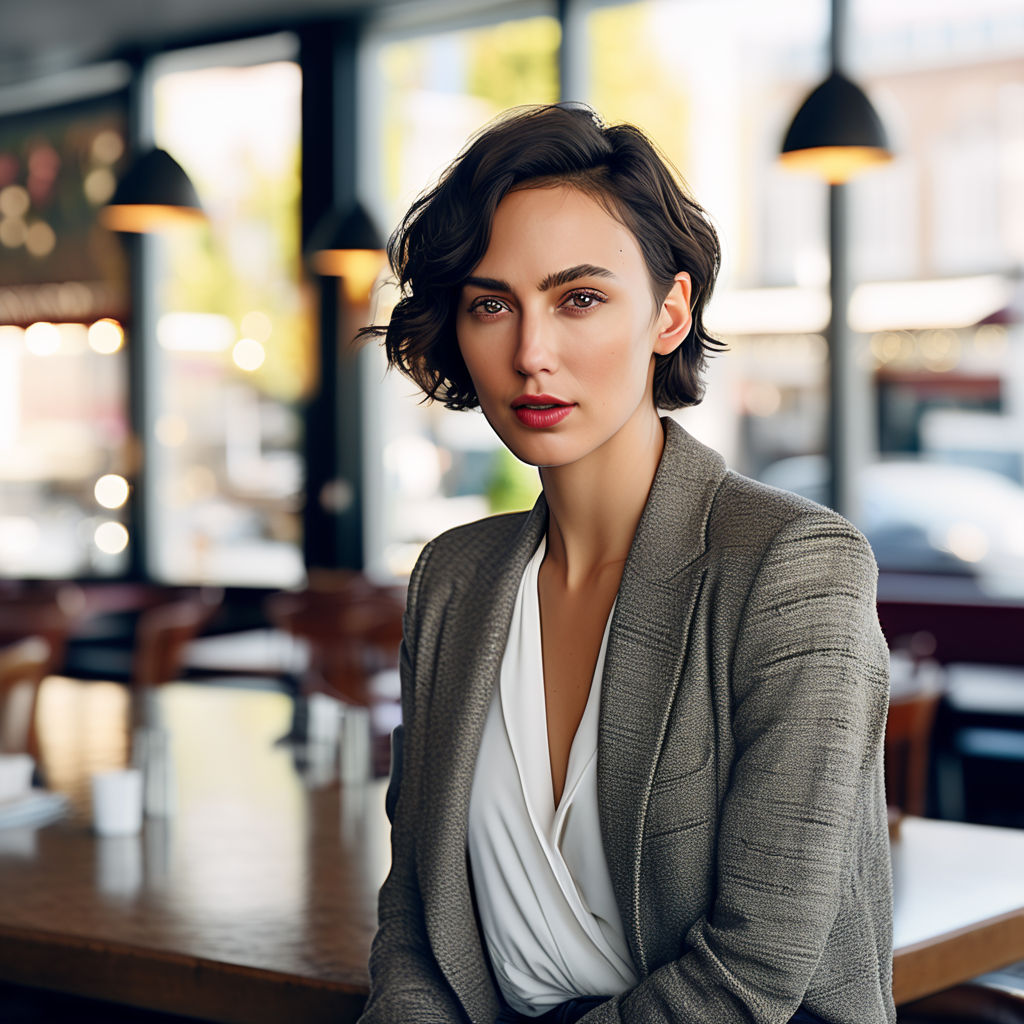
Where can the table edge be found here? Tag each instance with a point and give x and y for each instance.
(158, 979)
(931, 965)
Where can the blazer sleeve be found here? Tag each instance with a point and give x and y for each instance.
(406, 983)
(810, 695)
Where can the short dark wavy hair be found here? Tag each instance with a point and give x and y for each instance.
(446, 232)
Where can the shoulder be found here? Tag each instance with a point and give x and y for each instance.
(479, 538)
(748, 511)
(775, 535)
(463, 548)
(454, 558)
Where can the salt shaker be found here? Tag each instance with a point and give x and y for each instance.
(354, 762)
(152, 754)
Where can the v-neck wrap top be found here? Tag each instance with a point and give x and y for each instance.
(543, 890)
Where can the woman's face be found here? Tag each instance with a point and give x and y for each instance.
(558, 327)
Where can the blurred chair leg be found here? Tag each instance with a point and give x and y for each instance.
(949, 778)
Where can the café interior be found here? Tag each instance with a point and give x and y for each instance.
(211, 500)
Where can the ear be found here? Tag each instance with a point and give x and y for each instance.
(674, 318)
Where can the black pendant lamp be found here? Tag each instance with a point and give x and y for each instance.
(347, 244)
(154, 195)
(836, 134)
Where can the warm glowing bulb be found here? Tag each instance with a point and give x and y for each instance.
(13, 232)
(40, 239)
(107, 147)
(248, 354)
(836, 164)
(111, 538)
(106, 336)
(111, 490)
(359, 268)
(99, 185)
(150, 218)
(42, 339)
(14, 201)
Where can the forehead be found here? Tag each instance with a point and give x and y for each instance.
(556, 226)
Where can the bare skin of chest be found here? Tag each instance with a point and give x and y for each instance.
(572, 626)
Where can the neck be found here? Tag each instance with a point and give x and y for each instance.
(595, 504)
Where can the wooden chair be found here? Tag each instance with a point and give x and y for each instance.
(908, 732)
(23, 666)
(48, 612)
(161, 635)
(917, 687)
(353, 632)
(164, 631)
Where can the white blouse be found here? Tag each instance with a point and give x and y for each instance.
(542, 885)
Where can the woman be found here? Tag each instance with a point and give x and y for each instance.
(640, 778)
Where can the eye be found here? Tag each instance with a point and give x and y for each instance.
(487, 306)
(582, 299)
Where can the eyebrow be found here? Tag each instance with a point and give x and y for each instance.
(555, 280)
(561, 277)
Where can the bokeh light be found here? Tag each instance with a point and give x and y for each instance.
(111, 490)
(42, 339)
(106, 336)
(248, 354)
(111, 538)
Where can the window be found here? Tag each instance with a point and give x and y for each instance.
(65, 444)
(234, 348)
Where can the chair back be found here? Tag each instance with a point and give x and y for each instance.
(23, 666)
(917, 686)
(164, 631)
(908, 734)
(48, 612)
(353, 630)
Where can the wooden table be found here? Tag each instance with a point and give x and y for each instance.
(257, 900)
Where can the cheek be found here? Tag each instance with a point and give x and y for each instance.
(480, 367)
(467, 349)
(620, 359)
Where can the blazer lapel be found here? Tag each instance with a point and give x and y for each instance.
(647, 647)
(469, 665)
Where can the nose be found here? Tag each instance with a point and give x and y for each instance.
(535, 347)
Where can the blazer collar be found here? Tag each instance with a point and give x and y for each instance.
(671, 531)
(647, 647)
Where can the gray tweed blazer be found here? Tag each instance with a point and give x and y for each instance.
(739, 766)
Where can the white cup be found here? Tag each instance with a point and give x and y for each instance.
(117, 802)
(15, 775)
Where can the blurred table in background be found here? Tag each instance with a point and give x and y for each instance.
(257, 900)
(252, 652)
(958, 901)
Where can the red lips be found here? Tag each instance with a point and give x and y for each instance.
(540, 411)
